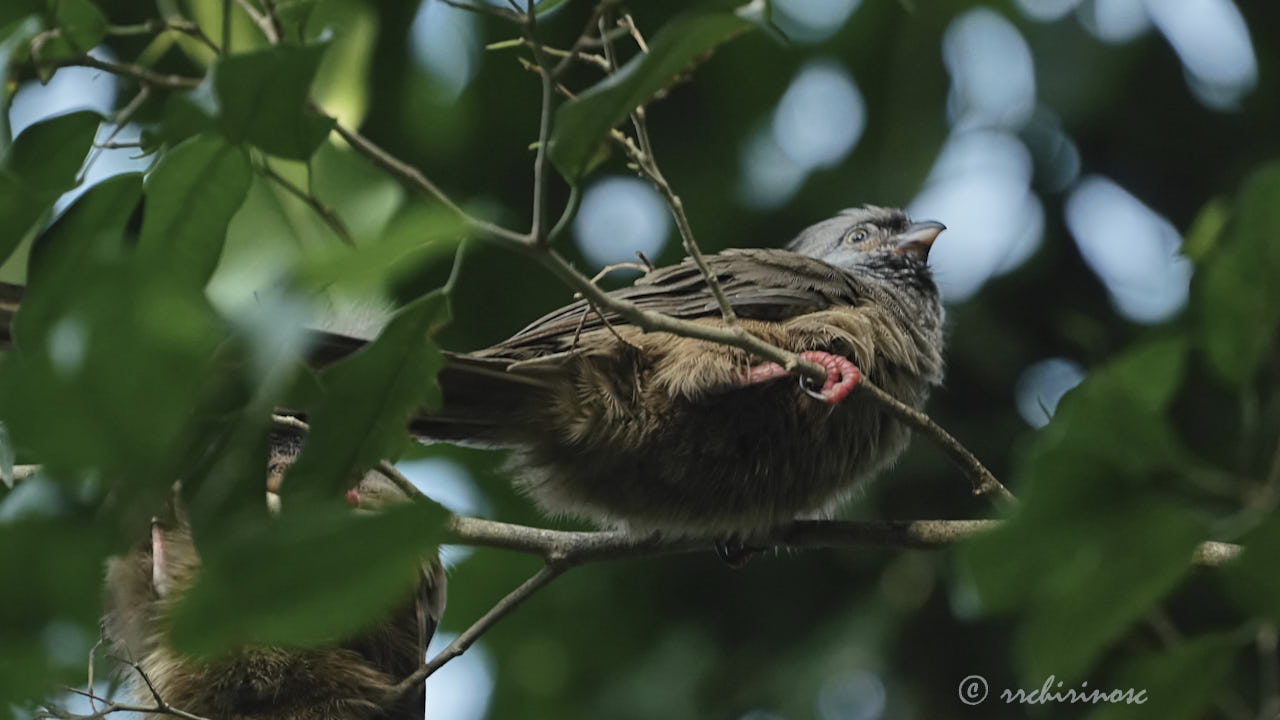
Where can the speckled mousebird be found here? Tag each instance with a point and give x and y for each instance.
(349, 680)
(650, 431)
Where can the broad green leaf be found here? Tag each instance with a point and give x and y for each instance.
(1090, 518)
(114, 379)
(13, 11)
(582, 123)
(1252, 579)
(263, 99)
(192, 194)
(308, 577)
(97, 218)
(1236, 295)
(19, 23)
(81, 26)
(418, 235)
(52, 567)
(41, 165)
(367, 401)
(1138, 552)
(1177, 684)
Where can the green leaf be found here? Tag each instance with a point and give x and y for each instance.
(192, 194)
(418, 235)
(1138, 552)
(1092, 517)
(1235, 293)
(546, 6)
(110, 379)
(309, 577)
(81, 24)
(263, 99)
(1178, 683)
(39, 167)
(368, 400)
(19, 23)
(582, 123)
(53, 568)
(1252, 580)
(93, 224)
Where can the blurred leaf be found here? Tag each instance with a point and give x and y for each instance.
(546, 6)
(260, 98)
(582, 123)
(309, 577)
(41, 165)
(52, 568)
(192, 194)
(92, 225)
(81, 24)
(19, 23)
(1206, 230)
(418, 234)
(1236, 293)
(368, 399)
(1252, 580)
(1138, 552)
(109, 379)
(1088, 518)
(293, 17)
(263, 99)
(1179, 683)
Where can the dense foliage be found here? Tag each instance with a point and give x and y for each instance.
(166, 311)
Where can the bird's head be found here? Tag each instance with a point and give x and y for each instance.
(872, 241)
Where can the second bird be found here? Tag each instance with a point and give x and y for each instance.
(650, 431)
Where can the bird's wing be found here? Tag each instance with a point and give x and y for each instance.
(759, 284)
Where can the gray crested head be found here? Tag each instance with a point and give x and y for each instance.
(874, 243)
(886, 253)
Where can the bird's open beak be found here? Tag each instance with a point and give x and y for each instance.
(919, 237)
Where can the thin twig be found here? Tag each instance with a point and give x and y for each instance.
(262, 21)
(137, 72)
(984, 482)
(468, 637)
(537, 231)
(578, 547)
(326, 213)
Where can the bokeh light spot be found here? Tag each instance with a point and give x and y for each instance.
(1131, 248)
(619, 217)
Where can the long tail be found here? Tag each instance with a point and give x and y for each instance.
(481, 395)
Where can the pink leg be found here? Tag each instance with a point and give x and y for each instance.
(353, 497)
(842, 375)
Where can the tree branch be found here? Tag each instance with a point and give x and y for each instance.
(464, 641)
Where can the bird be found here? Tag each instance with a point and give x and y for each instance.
(352, 680)
(659, 433)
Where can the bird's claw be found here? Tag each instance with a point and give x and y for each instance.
(842, 375)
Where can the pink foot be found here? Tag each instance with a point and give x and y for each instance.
(842, 375)
(353, 497)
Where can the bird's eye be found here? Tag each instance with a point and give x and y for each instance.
(855, 236)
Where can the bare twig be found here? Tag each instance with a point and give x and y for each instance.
(984, 482)
(468, 637)
(326, 213)
(137, 72)
(578, 547)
